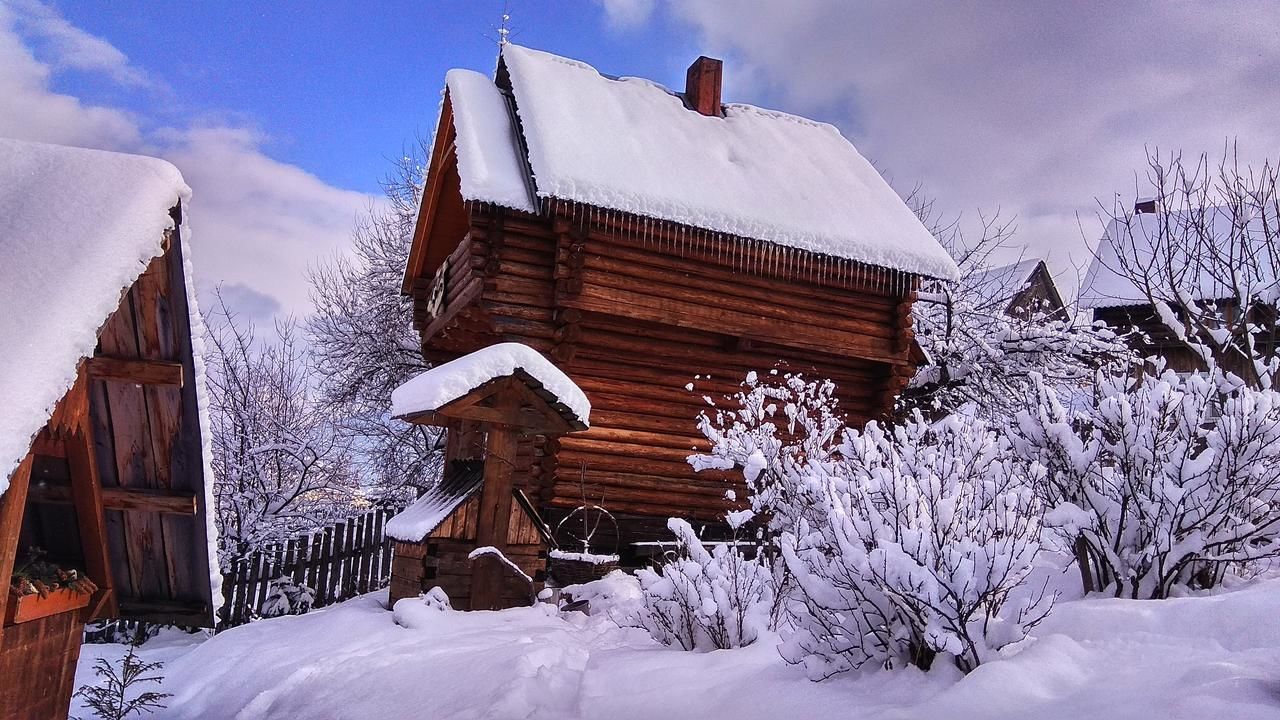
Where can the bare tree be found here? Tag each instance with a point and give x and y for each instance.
(279, 466)
(364, 343)
(1203, 257)
(978, 354)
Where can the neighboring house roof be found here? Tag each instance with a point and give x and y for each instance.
(77, 227)
(1105, 286)
(632, 146)
(998, 288)
(426, 513)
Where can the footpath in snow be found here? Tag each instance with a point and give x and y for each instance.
(1197, 657)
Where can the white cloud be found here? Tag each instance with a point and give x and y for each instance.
(71, 47)
(257, 223)
(32, 111)
(623, 14)
(1034, 107)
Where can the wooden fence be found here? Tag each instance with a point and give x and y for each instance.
(338, 562)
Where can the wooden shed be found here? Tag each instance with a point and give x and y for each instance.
(461, 535)
(100, 424)
(648, 242)
(441, 557)
(1021, 289)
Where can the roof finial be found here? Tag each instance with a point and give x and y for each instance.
(504, 29)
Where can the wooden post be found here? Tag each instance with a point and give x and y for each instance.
(12, 505)
(495, 514)
(86, 494)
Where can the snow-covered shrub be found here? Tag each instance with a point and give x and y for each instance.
(1159, 482)
(928, 529)
(705, 600)
(775, 429)
(286, 597)
(898, 543)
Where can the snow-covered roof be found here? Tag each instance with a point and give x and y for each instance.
(1140, 236)
(631, 145)
(77, 227)
(425, 515)
(997, 286)
(489, 162)
(441, 385)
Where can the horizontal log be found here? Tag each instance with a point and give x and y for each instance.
(173, 613)
(684, 314)
(726, 284)
(138, 371)
(731, 366)
(571, 460)
(587, 442)
(606, 432)
(650, 509)
(697, 486)
(694, 293)
(124, 498)
(792, 267)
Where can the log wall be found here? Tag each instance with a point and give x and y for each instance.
(634, 318)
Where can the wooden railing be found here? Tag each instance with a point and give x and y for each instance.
(339, 562)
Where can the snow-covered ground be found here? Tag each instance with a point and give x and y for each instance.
(1195, 657)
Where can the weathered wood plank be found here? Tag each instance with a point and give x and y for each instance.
(136, 371)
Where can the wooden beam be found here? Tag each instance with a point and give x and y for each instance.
(140, 372)
(194, 614)
(86, 494)
(125, 498)
(488, 573)
(12, 505)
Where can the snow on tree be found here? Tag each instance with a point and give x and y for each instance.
(1158, 482)
(704, 599)
(364, 344)
(1204, 255)
(900, 543)
(979, 355)
(279, 466)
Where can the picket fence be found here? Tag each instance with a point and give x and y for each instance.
(338, 562)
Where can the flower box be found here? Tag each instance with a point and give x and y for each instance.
(22, 608)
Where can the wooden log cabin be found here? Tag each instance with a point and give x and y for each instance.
(102, 457)
(646, 240)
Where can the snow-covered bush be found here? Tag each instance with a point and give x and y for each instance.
(1159, 482)
(898, 543)
(928, 529)
(775, 429)
(981, 352)
(286, 597)
(705, 600)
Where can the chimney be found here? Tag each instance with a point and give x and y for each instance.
(1145, 205)
(702, 85)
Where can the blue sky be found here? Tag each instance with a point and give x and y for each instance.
(338, 88)
(283, 116)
